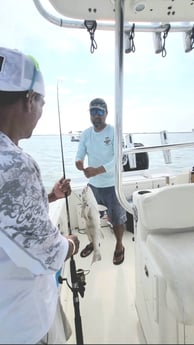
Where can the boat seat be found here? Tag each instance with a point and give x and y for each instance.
(164, 243)
(167, 209)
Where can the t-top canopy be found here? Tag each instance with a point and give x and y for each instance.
(135, 10)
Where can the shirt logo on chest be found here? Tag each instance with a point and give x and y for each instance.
(107, 140)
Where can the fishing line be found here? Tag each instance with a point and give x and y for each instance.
(63, 161)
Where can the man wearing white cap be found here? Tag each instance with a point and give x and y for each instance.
(32, 250)
(97, 143)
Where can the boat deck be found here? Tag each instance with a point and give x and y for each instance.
(107, 309)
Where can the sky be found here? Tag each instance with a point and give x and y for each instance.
(158, 92)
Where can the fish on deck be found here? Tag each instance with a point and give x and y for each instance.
(90, 212)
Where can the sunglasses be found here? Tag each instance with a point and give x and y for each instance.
(97, 111)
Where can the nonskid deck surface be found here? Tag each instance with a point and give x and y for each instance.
(107, 309)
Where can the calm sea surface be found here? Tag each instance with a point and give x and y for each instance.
(46, 150)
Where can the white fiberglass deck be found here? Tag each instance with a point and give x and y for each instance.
(107, 309)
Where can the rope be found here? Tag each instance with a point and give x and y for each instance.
(131, 36)
(91, 26)
(164, 52)
(192, 37)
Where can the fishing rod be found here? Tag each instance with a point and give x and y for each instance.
(77, 277)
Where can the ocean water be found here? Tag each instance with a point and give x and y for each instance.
(46, 150)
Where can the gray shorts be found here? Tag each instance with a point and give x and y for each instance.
(107, 197)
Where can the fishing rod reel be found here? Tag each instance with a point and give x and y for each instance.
(79, 281)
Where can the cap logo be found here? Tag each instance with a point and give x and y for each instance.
(35, 62)
(1, 62)
(36, 69)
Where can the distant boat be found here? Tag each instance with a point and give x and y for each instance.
(75, 136)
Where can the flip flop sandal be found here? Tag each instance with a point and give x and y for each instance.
(87, 250)
(118, 257)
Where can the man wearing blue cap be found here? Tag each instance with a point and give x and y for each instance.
(97, 142)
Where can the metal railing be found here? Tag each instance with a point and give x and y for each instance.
(158, 147)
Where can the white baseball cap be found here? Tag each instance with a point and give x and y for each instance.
(19, 72)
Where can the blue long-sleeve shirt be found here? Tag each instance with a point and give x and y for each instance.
(99, 149)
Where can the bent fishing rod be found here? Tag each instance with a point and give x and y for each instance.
(77, 279)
